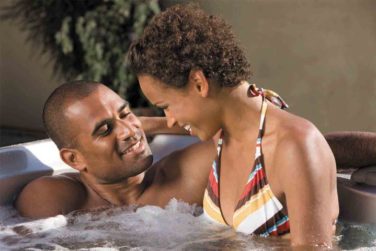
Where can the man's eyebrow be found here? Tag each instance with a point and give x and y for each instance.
(125, 105)
(99, 125)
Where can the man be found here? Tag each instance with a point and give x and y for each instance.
(98, 135)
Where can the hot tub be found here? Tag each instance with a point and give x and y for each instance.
(149, 228)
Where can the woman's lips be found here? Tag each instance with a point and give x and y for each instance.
(188, 129)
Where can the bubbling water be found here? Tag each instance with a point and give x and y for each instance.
(177, 227)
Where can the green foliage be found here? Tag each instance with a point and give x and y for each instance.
(87, 39)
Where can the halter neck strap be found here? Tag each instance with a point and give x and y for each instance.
(270, 95)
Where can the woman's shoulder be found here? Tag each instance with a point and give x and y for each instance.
(305, 172)
(293, 130)
(301, 147)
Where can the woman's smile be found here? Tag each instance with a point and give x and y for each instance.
(188, 128)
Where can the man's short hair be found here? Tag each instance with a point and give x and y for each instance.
(56, 124)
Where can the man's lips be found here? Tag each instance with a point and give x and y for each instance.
(135, 148)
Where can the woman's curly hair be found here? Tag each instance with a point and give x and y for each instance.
(184, 37)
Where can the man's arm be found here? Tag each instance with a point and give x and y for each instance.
(353, 149)
(49, 196)
(184, 174)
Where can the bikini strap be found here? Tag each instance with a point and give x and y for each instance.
(264, 107)
(219, 144)
(266, 94)
(270, 95)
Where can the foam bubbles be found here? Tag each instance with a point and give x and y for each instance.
(176, 227)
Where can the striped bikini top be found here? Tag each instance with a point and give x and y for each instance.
(258, 210)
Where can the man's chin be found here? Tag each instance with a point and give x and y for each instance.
(142, 166)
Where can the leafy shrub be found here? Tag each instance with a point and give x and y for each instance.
(87, 39)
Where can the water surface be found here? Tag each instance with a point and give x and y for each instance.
(177, 227)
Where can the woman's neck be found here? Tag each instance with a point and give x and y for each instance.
(241, 113)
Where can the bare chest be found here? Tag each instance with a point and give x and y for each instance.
(93, 200)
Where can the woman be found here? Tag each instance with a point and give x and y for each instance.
(274, 173)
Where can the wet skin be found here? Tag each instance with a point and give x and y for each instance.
(105, 127)
(299, 163)
(111, 144)
(114, 164)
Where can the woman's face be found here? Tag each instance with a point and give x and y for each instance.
(185, 107)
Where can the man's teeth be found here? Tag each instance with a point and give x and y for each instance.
(188, 128)
(134, 147)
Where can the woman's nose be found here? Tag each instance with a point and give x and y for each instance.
(171, 121)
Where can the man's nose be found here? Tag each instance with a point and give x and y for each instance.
(125, 130)
(171, 121)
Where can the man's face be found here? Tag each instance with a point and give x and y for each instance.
(109, 136)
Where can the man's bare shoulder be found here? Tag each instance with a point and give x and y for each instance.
(51, 195)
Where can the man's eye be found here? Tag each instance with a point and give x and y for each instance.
(105, 130)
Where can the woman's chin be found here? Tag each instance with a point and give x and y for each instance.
(202, 136)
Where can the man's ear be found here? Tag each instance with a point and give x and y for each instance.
(199, 82)
(73, 158)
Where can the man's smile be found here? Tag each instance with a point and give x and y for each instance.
(136, 147)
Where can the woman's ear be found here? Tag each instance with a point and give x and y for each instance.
(199, 82)
(73, 158)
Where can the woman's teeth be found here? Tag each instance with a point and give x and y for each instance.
(188, 128)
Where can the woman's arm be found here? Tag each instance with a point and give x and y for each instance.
(307, 174)
(353, 149)
(158, 125)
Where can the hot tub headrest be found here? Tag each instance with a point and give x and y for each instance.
(365, 175)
